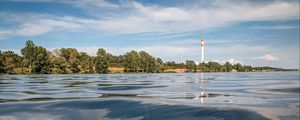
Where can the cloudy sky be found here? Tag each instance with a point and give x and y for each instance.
(258, 33)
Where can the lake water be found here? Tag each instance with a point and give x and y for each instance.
(188, 96)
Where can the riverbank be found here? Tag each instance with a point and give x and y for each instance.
(184, 70)
(120, 70)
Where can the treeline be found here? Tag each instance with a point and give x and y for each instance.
(268, 68)
(37, 60)
(191, 66)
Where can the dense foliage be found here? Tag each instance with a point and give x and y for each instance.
(37, 60)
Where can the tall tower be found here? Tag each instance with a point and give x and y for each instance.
(202, 51)
(181, 59)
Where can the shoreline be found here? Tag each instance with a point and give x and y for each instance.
(149, 73)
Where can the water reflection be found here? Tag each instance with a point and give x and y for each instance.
(260, 92)
(203, 94)
(120, 109)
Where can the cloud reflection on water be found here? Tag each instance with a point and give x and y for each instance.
(119, 109)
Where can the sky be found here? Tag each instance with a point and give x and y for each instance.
(257, 33)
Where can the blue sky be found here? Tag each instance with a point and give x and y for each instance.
(258, 33)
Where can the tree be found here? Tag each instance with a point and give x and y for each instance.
(115, 61)
(213, 67)
(86, 63)
(29, 53)
(248, 69)
(102, 61)
(170, 64)
(191, 66)
(41, 62)
(147, 62)
(227, 67)
(159, 66)
(151, 65)
(239, 67)
(37, 57)
(201, 67)
(174, 65)
(1, 63)
(58, 63)
(131, 61)
(11, 61)
(72, 57)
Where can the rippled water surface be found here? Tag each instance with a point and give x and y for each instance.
(273, 95)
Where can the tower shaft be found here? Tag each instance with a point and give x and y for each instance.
(202, 51)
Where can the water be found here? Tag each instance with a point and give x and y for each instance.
(273, 95)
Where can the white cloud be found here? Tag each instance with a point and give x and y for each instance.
(267, 57)
(30, 0)
(96, 3)
(134, 17)
(39, 27)
(234, 61)
(172, 19)
(5, 33)
(44, 26)
(218, 61)
(237, 48)
(275, 27)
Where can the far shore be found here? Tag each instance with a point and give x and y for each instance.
(120, 70)
(38, 60)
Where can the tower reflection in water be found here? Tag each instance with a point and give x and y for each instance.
(203, 94)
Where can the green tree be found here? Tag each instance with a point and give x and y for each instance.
(145, 61)
(72, 57)
(86, 63)
(116, 61)
(1, 63)
(102, 61)
(28, 53)
(159, 65)
(24, 66)
(131, 61)
(151, 65)
(248, 68)
(191, 66)
(41, 62)
(174, 65)
(170, 65)
(239, 67)
(201, 67)
(213, 67)
(58, 63)
(227, 67)
(36, 57)
(11, 62)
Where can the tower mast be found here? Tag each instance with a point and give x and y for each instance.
(181, 59)
(202, 51)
